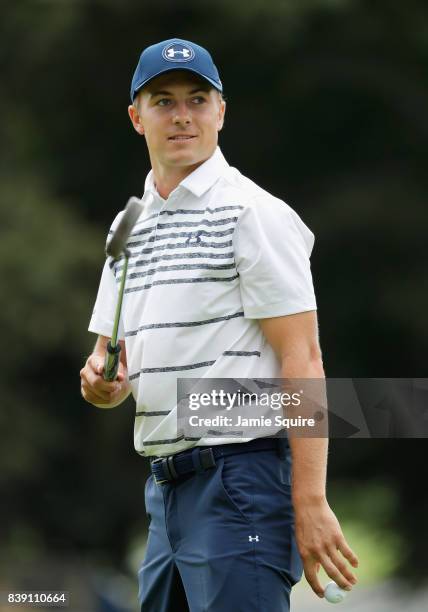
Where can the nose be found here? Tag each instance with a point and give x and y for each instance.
(182, 115)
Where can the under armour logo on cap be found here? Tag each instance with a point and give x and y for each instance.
(174, 54)
(177, 52)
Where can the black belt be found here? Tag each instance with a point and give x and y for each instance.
(199, 459)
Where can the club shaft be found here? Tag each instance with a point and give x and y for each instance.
(111, 364)
(119, 301)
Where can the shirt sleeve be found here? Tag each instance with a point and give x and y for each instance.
(272, 250)
(102, 318)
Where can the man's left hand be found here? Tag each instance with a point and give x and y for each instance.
(321, 543)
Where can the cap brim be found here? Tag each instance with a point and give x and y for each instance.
(144, 83)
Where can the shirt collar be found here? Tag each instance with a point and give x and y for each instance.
(201, 179)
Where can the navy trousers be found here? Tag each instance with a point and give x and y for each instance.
(222, 540)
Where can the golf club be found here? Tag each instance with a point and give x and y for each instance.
(115, 247)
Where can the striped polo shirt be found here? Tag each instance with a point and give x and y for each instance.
(206, 263)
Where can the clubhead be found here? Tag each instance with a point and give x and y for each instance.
(117, 243)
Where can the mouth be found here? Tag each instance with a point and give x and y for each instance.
(181, 137)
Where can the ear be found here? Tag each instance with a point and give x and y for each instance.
(221, 112)
(135, 119)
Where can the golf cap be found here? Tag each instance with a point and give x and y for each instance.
(174, 54)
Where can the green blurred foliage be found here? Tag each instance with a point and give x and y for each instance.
(48, 257)
(326, 109)
(367, 514)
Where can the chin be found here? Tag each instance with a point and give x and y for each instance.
(186, 158)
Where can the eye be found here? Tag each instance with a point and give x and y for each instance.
(163, 102)
(198, 100)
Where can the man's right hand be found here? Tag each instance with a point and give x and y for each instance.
(98, 391)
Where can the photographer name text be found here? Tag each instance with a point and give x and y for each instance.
(240, 421)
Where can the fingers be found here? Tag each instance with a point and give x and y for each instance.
(331, 570)
(347, 552)
(333, 564)
(95, 363)
(121, 373)
(343, 568)
(91, 396)
(321, 542)
(94, 388)
(95, 395)
(336, 569)
(312, 578)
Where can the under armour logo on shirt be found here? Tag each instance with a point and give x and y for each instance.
(194, 238)
(178, 52)
(253, 538)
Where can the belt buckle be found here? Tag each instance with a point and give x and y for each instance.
(162, 480)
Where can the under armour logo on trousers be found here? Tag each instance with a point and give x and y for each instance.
(253, 538)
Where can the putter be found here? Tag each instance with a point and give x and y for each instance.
(115, 247)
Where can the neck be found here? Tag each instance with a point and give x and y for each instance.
(167, 179)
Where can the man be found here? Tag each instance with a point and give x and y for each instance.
(219, 286)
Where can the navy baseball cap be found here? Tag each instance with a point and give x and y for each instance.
(174, 54)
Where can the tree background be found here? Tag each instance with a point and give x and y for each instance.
(326, 109)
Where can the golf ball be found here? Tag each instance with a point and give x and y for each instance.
(333, 593)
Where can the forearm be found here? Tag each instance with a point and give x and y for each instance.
(319, 537)
(309, 455)
(309, 469)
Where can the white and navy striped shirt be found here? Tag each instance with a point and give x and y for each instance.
(206, 264)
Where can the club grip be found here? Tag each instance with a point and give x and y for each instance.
(111, 363)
